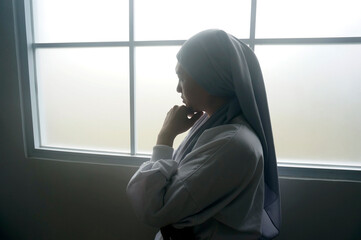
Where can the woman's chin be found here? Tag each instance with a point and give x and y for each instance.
(190, 107)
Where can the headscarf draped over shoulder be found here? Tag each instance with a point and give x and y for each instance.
(225, 66)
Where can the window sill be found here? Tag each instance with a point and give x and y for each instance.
(286, 169)
(319, 171)
(92, 157)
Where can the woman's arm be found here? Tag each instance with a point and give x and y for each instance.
(206, 181)
(147, 188)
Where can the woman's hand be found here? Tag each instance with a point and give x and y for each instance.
(178, 120)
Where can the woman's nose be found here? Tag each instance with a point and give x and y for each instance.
(179, 88)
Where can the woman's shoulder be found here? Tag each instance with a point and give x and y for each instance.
(230, 147)
(237, 133)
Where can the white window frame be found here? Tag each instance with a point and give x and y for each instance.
(25, 53)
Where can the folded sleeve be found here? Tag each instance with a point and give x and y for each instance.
(147, 188)
(161, 152)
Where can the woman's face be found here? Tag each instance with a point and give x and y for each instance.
(193, 95)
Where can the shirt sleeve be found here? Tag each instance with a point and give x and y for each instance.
(161, 152)
(147, 188)
(163, 192)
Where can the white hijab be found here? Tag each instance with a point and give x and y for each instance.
(225, 66)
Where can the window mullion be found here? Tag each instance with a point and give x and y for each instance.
(252, 33)
(132, 80)
(35, 104)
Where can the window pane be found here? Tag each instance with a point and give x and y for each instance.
(308, 18)
(84, 98)
(314, 95)
(80, 20)
(180, 19)
(156, 84)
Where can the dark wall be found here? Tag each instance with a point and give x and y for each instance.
(316, 209)
(43, 199)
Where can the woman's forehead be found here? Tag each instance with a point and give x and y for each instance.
(179, 69)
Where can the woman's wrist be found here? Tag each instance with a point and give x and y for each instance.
(165, 138)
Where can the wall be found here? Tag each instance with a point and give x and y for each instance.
(42, 199)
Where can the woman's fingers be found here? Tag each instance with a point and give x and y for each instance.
(179, 119)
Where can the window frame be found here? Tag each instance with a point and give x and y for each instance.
(27, 65)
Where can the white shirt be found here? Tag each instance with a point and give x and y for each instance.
(218, 187)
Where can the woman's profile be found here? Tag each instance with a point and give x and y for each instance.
(221, 182)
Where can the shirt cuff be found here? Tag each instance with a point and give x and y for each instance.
(162, 152)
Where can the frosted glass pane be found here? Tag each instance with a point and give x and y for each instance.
(84, 98)
(308, 18)
(314, 94)
(180, 19)
(80, 20)
(156, 83)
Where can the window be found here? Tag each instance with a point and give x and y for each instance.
(311, 67)
(102, 78)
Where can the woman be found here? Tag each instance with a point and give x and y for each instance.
(222, 182)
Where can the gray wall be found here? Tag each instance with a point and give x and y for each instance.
(43, 199)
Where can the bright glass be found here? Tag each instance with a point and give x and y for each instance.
(80, 20)
(156, 83)
(84, 98)
(180, 19)
(314, 95)
(308, 18)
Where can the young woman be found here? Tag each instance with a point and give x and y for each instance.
(221, 182)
